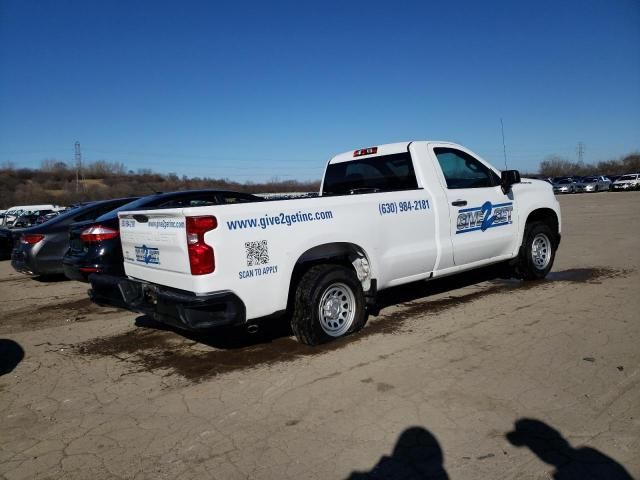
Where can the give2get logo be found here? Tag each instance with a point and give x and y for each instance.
(147, 255)
(484, 217)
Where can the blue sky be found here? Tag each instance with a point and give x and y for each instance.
(252, 91)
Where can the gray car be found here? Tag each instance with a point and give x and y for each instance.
(39, 250)
(565, 185)
(594, 184)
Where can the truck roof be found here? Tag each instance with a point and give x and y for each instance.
(378, 150)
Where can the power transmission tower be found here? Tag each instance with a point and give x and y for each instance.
(78, 157)
(580, 150)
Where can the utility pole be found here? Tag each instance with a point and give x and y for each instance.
(78, 157)
(580, 150)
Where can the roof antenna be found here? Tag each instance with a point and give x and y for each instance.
(504, 148)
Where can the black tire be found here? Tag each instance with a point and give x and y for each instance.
(527, 268)
(316, 282)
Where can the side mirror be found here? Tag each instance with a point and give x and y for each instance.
(508, 178)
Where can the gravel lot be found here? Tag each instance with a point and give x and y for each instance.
(488, 380)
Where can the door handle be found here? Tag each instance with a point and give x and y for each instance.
(459, 203)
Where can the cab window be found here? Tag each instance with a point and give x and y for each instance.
(385, 173)
(461, 170)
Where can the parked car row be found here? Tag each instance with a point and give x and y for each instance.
(595, 183)
(27, 215)
(85, 239)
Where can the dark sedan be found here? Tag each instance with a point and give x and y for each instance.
(94, 246)
(40, 249)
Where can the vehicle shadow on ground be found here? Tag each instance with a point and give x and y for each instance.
(227, 338)
(416, 455)
(51, 278)
(570, 463)
(11, 354)
(410, 296)
(419, 290)
(272, 329)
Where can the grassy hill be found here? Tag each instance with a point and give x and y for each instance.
(56, 183)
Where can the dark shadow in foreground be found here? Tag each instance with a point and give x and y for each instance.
(417, 455)
(583, 463)
(11, 354)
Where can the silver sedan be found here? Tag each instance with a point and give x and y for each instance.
(594, 184)
(565, 186)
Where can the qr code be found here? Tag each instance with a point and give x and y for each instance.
(257, 253)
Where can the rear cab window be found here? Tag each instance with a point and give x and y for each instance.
(384, 173)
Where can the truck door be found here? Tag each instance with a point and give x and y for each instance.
(482, 218)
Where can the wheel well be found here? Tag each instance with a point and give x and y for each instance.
(338, 253)
(545, 215)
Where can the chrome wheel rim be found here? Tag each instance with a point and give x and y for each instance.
(337, 309)
(541, 251)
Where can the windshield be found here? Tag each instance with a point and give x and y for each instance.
(15, 212)
(628, 177)
(67, 213)
(564, 182)
(590, 179)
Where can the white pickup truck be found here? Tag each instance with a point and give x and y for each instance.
(385, 216)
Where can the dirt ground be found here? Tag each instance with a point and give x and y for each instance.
(470, 378)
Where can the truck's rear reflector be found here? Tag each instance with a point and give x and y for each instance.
(31, 238)
(365, 151)
(201, 258)
(98, 233)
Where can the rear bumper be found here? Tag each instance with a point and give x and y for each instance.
(27, 262)
(167, 305)
(72, 271)
(21, 264)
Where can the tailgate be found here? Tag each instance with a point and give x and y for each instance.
(155, 240)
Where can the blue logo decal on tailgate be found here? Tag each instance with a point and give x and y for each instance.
(147, 255)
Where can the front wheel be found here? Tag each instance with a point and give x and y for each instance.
(329, 303)
(537, 252)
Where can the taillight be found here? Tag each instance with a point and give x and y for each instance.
(98, 233)
(201, 257)
(31, 238)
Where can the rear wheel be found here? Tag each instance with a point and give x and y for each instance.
(537, 252)
(329, 303)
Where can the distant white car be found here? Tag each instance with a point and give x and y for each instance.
(627, 182)
(12, 213)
